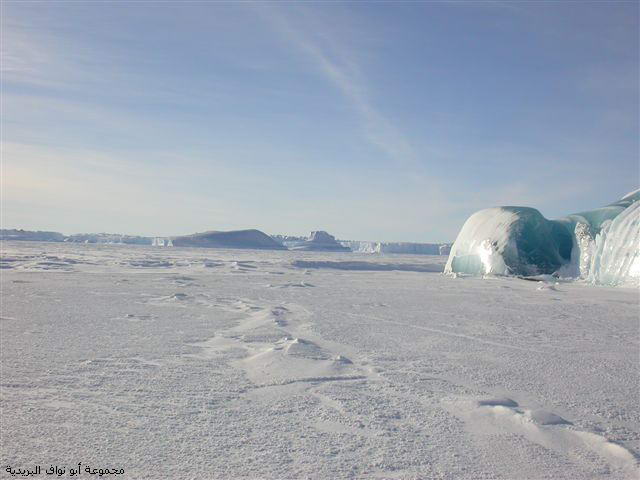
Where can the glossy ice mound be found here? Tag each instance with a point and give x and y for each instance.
(509, 241)
(601, 245)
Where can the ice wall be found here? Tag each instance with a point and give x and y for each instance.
(615, 253)
(28, 235)
(601, 246)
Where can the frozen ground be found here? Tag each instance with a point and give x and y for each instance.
(188, 363)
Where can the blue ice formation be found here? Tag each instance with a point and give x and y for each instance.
(601, 246)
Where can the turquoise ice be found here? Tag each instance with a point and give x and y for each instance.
(601, 245)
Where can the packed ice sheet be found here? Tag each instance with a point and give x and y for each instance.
(601, 245)
(197, 363)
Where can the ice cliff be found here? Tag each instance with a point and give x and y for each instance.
(111, 238)
(613, 256)
(396, 247)
(38, 236)
(601, 245)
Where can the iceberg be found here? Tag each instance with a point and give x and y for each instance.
(28, 235)
(614, 258)
(444, 249)
(509, 241)
(396, 247)
(159, 242)
(108, 238)
(250, 239)
(601, 246)
(318, 241)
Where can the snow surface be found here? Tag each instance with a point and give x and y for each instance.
(197, 363)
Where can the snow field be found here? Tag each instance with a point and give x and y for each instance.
(189, 363)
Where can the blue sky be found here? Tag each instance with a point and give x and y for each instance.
(376, 121)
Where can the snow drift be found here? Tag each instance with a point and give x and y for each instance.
(601, 245)
(254, 239)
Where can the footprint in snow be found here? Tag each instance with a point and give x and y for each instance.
(498, 402)
(543, 417)
(292, 285)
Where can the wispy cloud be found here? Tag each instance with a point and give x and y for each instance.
(37, 55)
(24, 59)
(338, 65)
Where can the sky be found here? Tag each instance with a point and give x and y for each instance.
(388, 121)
